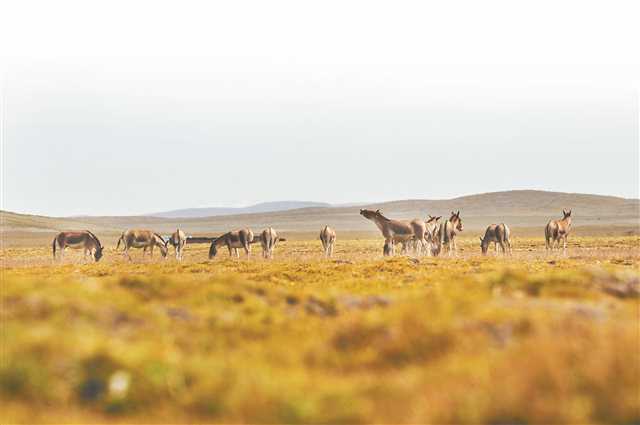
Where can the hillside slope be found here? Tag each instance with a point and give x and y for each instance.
(525, 208)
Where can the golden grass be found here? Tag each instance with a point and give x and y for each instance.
(300, 339)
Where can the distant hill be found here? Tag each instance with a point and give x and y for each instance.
(518, 208)
(264, 207)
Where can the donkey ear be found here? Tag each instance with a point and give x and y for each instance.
(481, 240)
(564, 212)
(569, 213)
(458, 213)
(438, 218)
(377, 211)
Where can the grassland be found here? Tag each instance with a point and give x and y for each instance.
(535, 338)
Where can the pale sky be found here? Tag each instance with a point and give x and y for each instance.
(137, 107)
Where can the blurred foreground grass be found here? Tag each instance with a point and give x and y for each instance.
(359, 338)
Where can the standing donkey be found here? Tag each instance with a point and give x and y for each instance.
(448, 231)
(328, 238)
(78, 240)
(558, 230)
(498, 234)
(431, 235)
(268, 239)
(177, 240)
(396, 231)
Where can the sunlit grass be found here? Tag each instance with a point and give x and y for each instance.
(357, 338)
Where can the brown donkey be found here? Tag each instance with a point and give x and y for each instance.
(142, 239)
(448, 231)
(78, 240)
(395, 231)
(499, 234)
(233, 240)
(328, 239)
(268, 239)
(558, 230)
(177, 240)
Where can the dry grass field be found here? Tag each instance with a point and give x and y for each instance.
(358, 338)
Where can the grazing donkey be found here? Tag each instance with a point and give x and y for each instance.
(558, 230)
(177, 240)
(78, 240)
(233, 240)
(268, 239)
(448, 230)
(395, 231)
(328, 239)
(499, 234)
(142, 239)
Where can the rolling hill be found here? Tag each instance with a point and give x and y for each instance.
(518, 208)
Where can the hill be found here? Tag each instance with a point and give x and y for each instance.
(263, 207)
(518, 208)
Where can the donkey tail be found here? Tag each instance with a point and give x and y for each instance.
(53, 247)
(548, 231)
(120, 240)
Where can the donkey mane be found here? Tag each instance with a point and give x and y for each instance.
(94, 237)
(161, 238)
(379, 214)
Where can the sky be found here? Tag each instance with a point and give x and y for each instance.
(115, 108)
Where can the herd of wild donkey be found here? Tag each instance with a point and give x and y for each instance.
(428, 237)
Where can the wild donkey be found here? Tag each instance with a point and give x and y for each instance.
(328, 239)
(177, 240)
(448, 230)
(78, 240)
(268, 239)
(431, 235)
(142, 239)
(432, 223)
(233, 240)
(395, 231)
(558, 230)
(499, 234)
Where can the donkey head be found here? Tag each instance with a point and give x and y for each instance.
(164, 250)
(566, 214)
(484, 246)
(213, 250)
(432, 219)
(97, 255)
(369, 214)
(457, 221)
